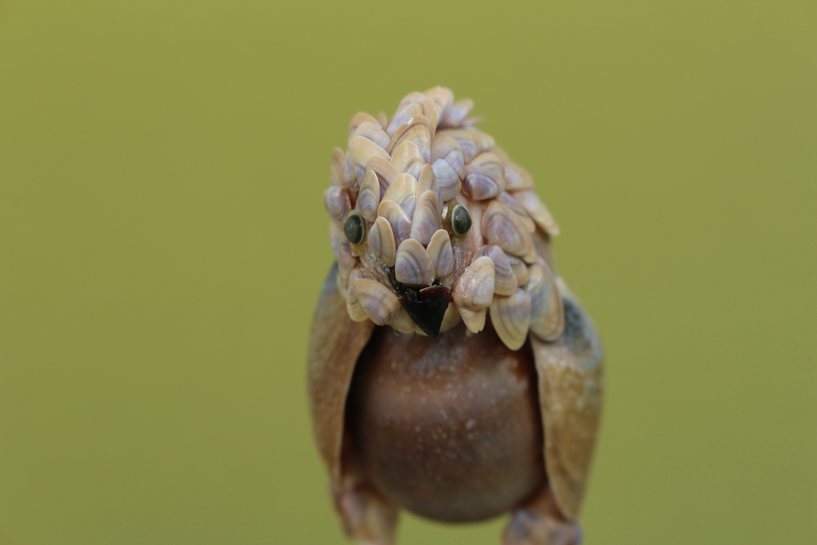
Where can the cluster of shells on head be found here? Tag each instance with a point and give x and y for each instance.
(433, 224)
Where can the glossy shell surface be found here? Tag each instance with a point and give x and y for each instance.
(449, 428)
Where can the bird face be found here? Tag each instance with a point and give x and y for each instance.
(432, 223)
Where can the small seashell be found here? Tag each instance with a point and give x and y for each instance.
(348, 170)
(531, 257)
(450, 318)
(511, 318)
(413, 264)
(428, 182)
(457, 112)
(397, 218)
(402, 191)
(443, 99)
(418, 130)
(346, 262)
(361, 150)
(506, 199)
(442, 256)
(490, 161)
(379, 302)
(353, 307)
(469, 141)
(341, 283)
(357, 120)
(445, 147)
(427, 219)
(369, 197)
(447, 180)
(355, 311)
(534, 207)
(336, 169)
(381, 241)
(504, 278)
(423, 106)
(336, 202)
(383, 119)
(475, 287)
(408, 99)
(357, 273)
(481, 184)
(403, 322)
(335, 234)
(386, 172)
(474, 319)
(409, 159)
(520, 270)
(547, 314)
(373, 131)
(516, 177)
(501, 226)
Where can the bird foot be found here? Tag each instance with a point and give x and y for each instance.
(367, 517)
(539, 522)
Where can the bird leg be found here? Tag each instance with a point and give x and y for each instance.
(368, 517)
(539, 522)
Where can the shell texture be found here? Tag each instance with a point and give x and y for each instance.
(413, 265)
(418, 129)
(374, 132)
(408, 158)
(404, 174)
(368, 199)
(403, 191)
(426, 220)
(428, 182)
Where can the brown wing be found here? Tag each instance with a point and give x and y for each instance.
(571, 384)
(335, 342)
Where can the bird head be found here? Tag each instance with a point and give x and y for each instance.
(433, 224)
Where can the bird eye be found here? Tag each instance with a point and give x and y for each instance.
(353, 228)
(460, 220)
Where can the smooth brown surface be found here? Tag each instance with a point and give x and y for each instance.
(571, 384)
(335, 342)
(448, 428)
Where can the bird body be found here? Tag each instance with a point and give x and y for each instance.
(451, 370)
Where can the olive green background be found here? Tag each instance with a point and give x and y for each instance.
(163, 241)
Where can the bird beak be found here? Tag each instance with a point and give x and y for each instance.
(429, 310)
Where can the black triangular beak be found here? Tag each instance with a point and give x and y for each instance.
(429, 311)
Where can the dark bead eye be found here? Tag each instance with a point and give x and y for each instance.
(353, 228)
(460, 220)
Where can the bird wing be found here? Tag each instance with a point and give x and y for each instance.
(571, 385)
(335, 342)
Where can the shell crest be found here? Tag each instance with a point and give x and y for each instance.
(402, 177)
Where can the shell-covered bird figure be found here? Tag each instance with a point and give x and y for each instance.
(452, 372)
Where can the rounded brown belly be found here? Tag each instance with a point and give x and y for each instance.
(448, 428)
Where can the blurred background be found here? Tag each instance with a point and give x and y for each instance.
(163, 241)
